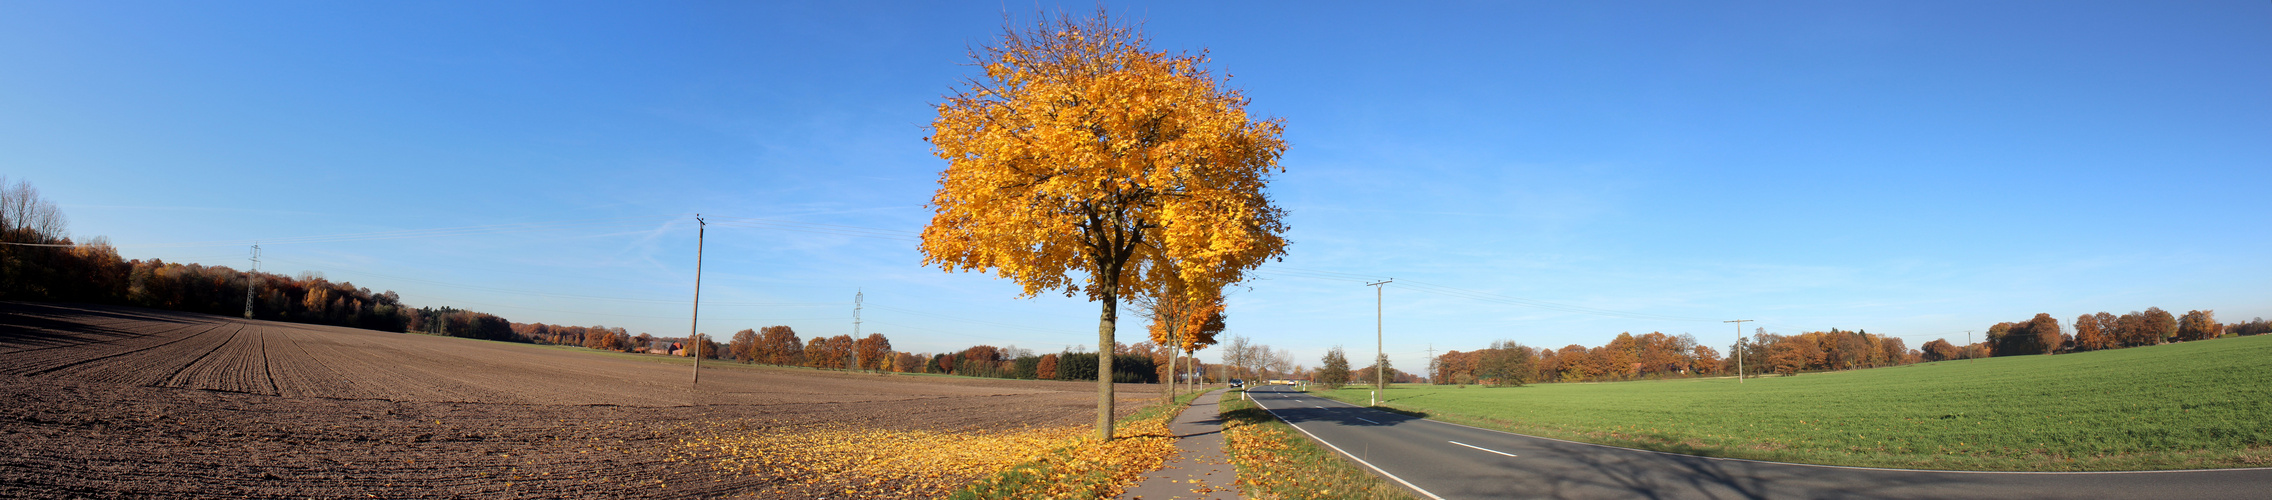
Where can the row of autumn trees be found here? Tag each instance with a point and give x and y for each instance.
(2092, 332)
(780, 345)
(1657, 355)
(39, 261)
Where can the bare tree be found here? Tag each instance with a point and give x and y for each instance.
(22, 209)
(1259, 361)
(1236, 354)
(1282, 362)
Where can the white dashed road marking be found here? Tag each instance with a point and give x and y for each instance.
(1481, 448)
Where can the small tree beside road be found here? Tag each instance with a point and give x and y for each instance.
(1333, 371)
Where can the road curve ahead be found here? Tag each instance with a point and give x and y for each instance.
(1450, 461)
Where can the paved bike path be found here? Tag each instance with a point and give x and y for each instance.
(1200, 469)
(1450, 461)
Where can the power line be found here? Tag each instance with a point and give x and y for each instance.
(48, 245)
(914, 312)
(621, 315)
(813, 227)
(973, 321)
(626, 222)
(935, 331)
(314, 267)
(644, 222)
(1320, 275)
(1477, 295)
(1539, 304)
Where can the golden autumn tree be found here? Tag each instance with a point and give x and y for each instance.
(1082, 161)
(1183, 322)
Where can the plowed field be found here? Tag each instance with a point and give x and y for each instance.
(99, 401)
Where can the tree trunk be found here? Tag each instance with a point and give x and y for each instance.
(1105, 324)
(1168, 385)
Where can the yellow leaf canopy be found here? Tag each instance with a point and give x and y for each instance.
(1082, 150)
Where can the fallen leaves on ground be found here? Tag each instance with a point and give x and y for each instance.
(868, 462)
(1084, 468)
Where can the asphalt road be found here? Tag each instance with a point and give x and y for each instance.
(1450, 461)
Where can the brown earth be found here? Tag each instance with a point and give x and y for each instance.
(118, 402)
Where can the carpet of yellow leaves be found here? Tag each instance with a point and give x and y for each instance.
(1083, 468)
(870, 463)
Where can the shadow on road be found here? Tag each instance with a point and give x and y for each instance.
(1355, 417)
(1592, 471)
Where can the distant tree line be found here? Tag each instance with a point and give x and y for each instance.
(1628, 356)
(1657, 355)
(593, 337)
(1833, 350)
(467, 324)
(2093, 332)
(782, 346)
(1505, 363)
(38, 261)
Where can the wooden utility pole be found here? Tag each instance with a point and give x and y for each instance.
(1739, 348)
(1380, 352)
(693, 338)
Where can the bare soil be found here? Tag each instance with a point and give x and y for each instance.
(118, 402)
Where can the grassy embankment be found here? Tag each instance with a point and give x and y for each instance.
(2204, 404)
(1276, 461)
(1081, 467)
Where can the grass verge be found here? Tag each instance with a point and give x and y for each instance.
(1080, 467)
(1276, 461)
(2180, 406)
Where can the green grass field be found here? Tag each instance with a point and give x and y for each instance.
(2201, 404)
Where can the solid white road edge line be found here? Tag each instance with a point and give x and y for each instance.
(1345, 453)
(1481, 448)
(1820, 466)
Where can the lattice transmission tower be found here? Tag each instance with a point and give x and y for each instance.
(252, 279)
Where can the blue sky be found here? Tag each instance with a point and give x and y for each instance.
(1910, 168)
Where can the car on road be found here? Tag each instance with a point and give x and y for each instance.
(1236, 383)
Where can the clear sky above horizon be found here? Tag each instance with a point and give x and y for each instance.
(1546, 172)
